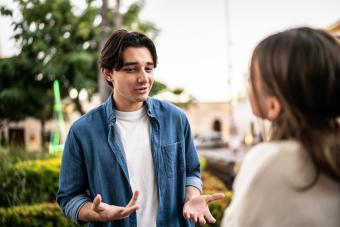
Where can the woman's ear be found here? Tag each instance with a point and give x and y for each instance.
(107, 74)
(274, 107)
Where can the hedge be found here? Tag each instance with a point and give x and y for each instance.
(36, 181)
(49, 214)
(30, 182)
(46, 214)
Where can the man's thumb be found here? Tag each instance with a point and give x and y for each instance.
(215, 196)
(97, 200)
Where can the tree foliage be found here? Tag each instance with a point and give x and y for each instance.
(19, 95)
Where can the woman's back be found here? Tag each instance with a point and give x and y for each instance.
(270, 190)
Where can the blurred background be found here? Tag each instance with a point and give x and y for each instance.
(49, 77)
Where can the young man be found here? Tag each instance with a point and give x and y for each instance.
(132, 161)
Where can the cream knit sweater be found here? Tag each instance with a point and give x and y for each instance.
(267, 191)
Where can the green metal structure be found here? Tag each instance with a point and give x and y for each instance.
(55, 144)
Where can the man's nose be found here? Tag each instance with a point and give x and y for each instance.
(143, 77)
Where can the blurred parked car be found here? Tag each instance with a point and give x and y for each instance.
(208, 140)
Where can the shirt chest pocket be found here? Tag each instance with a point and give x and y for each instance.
(173, 162)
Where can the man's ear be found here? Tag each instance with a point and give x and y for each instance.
(274, 107)
(107, 74)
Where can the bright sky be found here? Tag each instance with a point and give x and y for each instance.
(193, 43)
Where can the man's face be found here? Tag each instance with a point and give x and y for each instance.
(133, 82)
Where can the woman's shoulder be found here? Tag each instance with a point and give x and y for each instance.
(274, 149)
(264, 154)
(271, 160)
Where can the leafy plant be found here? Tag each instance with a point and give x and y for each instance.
(27, 181)
(211, 185)
(45, 214)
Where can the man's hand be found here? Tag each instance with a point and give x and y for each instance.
(103, 212)
(197, 208)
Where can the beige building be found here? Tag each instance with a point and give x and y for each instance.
(209, 117)
(28, 131)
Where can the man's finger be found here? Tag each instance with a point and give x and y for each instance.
(201, 220)
(210, 218)
(216, 196)
(129, 210)
(193, 217)
(186, 215)
(95, 204)
(133, 199)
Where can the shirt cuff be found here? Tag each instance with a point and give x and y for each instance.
(73, 207)
(194, 181)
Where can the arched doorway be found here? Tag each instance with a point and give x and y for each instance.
(217, 125)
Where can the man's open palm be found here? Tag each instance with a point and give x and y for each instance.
(197, 208)
(106, 212)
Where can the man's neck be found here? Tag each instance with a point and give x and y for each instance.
(128, 107)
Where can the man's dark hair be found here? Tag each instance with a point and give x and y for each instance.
(111, 56)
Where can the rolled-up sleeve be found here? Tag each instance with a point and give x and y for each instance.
(73, 207)
(194, 181)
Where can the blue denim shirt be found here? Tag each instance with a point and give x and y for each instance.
(94, 163)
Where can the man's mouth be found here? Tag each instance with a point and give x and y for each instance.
(142, 89)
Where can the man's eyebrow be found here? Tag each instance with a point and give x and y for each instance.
(130, 63)
(136, 63)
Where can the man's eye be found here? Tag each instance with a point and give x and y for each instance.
(129, 69)
(149, 70)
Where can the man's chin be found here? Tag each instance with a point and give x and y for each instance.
(141, 99)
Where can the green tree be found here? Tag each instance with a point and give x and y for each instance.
(19, 95)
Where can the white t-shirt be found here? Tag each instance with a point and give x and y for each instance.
(134, 132)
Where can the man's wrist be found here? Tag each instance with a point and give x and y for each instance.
(86, 214)
(191, 192)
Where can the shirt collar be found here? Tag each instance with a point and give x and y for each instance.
(111, 114)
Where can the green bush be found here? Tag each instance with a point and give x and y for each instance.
(211, 185)
(203, 163)
(13, 154)
(36, 181)
(47, 215)
(42, 178)
(27, 182)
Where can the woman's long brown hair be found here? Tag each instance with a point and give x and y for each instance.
(301, 67)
